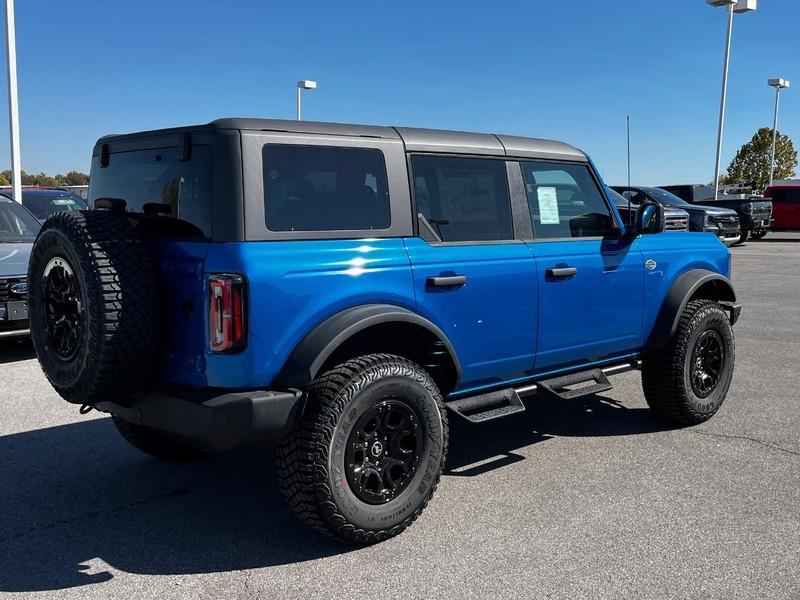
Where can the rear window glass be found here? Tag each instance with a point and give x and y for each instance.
(156, 175)
(323, 188)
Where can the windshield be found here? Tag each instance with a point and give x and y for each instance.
(17, 224)
(665, 198)
(44, 205)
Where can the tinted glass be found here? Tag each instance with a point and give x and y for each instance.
(564, 201)
(788, 195)
(318, 188)
(463, 199)
(157, 176)
(44, 204)
(17, 224)
(665, 197)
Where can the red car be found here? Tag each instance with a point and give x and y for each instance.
(785, 197)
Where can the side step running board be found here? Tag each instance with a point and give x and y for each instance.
(568, 387)
(488, 407)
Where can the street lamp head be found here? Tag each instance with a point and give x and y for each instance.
(743, 6)
(779, 83)
(306, 84)
(739, 6)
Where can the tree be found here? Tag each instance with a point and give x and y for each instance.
(42, 179)
(750, 166)
(76, 178)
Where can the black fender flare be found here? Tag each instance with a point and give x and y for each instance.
(682, 291)
(310, 354)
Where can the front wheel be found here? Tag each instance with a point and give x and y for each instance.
(743, 237)
(686, 381)
(370, 449)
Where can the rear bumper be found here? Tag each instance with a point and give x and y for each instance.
(215, 422)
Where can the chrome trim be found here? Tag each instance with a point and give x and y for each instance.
(617, 369)
(15, 333)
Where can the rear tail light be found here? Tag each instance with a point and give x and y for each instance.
(226, 313)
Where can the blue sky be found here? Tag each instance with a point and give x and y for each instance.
(568, 70)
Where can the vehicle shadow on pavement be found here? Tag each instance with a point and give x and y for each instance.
(16, 350)
(77, 503)
(476, 449)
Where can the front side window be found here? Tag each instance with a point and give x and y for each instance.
(17, 224)
(323, 188)
(463, 199)
(565, 201)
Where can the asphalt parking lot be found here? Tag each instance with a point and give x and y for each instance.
(585, 499)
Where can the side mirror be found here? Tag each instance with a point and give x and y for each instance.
(650, 217)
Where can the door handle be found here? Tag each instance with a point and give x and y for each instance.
(561, 271)
(446, 281)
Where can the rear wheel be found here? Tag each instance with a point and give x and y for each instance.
(369, 452)
(757, 234)
(686, 381)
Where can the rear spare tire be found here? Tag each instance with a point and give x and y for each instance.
(93, 306)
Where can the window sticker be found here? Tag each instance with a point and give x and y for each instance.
(548, 205)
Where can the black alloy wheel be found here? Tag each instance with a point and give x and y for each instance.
(383, 452)
(707, 362)
(63, 308)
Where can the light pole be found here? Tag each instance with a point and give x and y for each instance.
(778, 84)
(13, 104)
(303, 84)
(734, 6)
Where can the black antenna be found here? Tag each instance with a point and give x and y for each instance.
(628, 133)
(628, 120)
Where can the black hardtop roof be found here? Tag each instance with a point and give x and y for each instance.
(415, 139)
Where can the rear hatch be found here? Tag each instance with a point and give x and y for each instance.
(169, 194)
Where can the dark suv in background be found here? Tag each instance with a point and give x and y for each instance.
(755, 213)
(675, 219)
(722, 222)
(44, 202)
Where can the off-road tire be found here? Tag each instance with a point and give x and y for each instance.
(119, 320)
(311, 459)
(156, 443)
(666, 378)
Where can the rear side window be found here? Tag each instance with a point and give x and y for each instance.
(787, 195)
(323, 188)
(463, 199)
(143, 176)
(565, 201)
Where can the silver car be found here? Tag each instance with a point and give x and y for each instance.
(18, 229)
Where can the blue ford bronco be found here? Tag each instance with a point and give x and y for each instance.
(338, 290)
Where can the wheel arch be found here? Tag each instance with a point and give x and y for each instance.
(373, 328)
(692, 285)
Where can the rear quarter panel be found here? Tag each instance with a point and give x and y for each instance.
(294, 285)
(675, 253)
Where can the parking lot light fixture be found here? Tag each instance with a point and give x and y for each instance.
(303, 84)
(733, 6)
(779, 84)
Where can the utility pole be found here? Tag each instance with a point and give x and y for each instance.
(13, 102)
